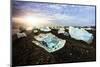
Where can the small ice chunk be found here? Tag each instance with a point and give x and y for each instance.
(45, 29)
(35, 31)
(66, 34)
(20, 35)
(49, 42)
(80, 34)
(61, 30)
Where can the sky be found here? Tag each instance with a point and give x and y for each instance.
(61, 14)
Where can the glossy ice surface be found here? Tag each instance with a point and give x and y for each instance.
(80, 34)
(49, 42)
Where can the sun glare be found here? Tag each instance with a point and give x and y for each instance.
(32, 20)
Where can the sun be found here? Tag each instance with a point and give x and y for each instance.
(31, 20)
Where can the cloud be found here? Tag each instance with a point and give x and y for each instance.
(59, 13)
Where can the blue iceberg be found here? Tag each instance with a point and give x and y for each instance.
(80, 34)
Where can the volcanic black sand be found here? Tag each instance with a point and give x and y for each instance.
(24, 52)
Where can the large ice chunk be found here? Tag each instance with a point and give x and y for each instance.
(80, 34)
(49, 42)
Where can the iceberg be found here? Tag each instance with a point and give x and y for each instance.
(49, 42)
(80, 34)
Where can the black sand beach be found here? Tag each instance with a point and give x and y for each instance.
(24, 52)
